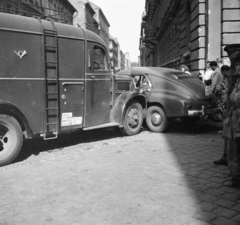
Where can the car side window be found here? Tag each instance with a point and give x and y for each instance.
(145, 82)
(137, 81)
(99, 59)
(141, 81)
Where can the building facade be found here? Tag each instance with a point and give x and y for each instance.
(102, 21)
(113, 53)
(86, 15)
(56, 10)
(127, 60)
(122, 56)
(175, 32)
(90, 16)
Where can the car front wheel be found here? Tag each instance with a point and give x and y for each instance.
(156, 119)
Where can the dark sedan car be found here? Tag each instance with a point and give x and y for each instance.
(170, 94)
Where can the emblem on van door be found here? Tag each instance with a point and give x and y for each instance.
(21, 54)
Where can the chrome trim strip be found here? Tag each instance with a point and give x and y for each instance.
(13, 78)
(61, 79)
(68, 37)
(20, 31)
(70, 83)
(98, 74)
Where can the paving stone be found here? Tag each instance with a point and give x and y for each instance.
(220, 211)
(215, 185)
(204, 176)
(214, 191)
(225, 203)
(208, 198)
(236, 208)
(202, 182)
(199, 222)
(208, 207)
(200, 187)
(216, 179)
(227, 189)
(224, 221)
(205, 216)
(237, 218)
(230, 196)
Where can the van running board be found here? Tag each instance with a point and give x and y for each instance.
(49, 136)
(102, 126)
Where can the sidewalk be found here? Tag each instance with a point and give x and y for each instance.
(101, 178)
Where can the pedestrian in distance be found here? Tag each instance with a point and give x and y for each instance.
(215, 88)
(207, 77)
(185, 69)
(197, 74)
(216, 77)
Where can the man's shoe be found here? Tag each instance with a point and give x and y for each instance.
(221, 162)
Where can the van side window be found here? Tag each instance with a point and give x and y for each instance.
(99, 59)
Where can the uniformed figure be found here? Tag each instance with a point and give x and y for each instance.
(231, 124)
(225, 70)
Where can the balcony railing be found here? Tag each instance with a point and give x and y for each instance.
(32, 10)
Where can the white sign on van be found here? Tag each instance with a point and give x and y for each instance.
(66, 119)
(76, 120)
(69, 120)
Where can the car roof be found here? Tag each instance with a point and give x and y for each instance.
(156, 71)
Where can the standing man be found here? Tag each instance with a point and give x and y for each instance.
(216, 78)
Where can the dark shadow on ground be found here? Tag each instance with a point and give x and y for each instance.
(38, 144)
(219, 204)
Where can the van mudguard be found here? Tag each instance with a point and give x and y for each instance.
(121, 104)
(11, 110)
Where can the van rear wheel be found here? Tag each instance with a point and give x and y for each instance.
(11, 139)
(133, 119)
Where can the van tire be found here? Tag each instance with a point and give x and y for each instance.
(133, 119)
(156, 119)
(11, 139)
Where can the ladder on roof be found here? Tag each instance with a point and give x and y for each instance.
(51, 70)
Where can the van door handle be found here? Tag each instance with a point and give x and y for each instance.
(93, 77)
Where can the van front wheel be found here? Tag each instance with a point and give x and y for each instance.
(11, 139)
(133, 119)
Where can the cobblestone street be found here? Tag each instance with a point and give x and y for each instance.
(101, 177)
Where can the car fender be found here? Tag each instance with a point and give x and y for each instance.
(174, 106)
(121, 103)
(7, 108)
